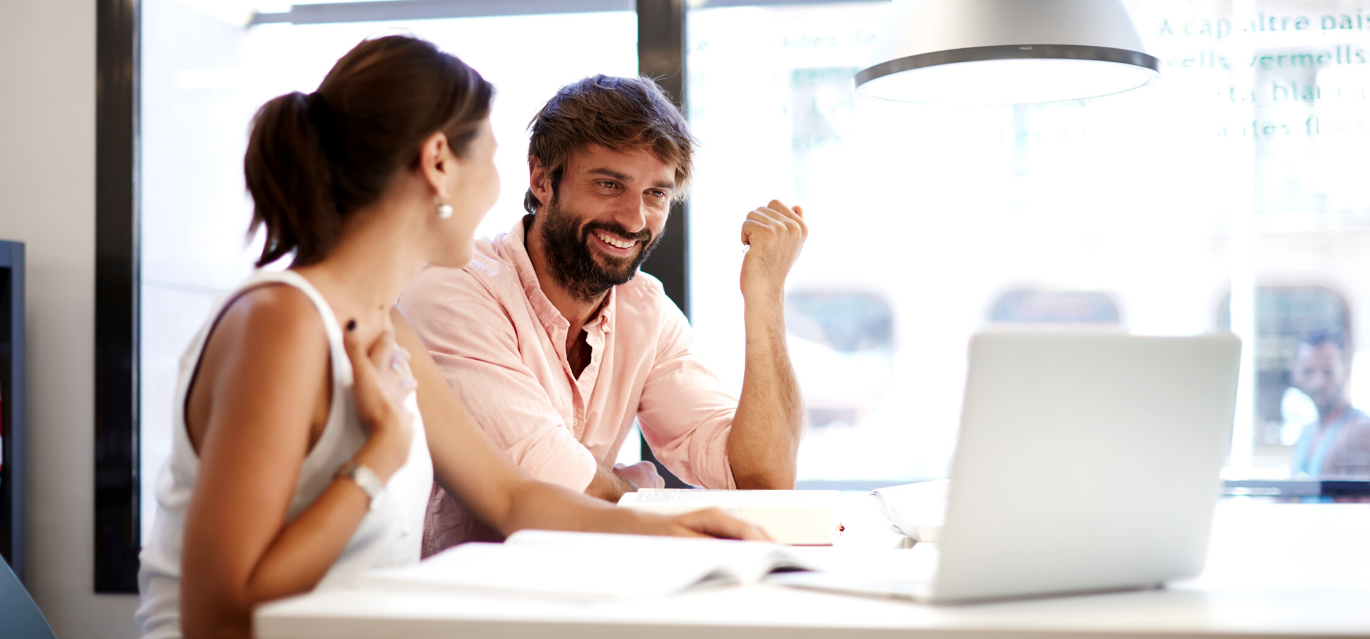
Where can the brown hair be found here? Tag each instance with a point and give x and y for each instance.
(616, 113)
(314, 159)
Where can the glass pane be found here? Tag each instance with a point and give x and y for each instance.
(1237, 173)
(202, 80)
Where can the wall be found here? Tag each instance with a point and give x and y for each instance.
(47, 201)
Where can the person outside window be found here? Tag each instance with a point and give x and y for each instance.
(1337, 444)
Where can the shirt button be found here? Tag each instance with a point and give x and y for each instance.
(595, 358)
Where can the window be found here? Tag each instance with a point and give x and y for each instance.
(1147, 210)
(1141, 210)
(1031, 306)
(842, 343)
(1287, 315)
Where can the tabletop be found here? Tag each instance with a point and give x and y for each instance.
(1274, 570)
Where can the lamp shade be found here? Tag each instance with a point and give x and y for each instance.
(1006, 52)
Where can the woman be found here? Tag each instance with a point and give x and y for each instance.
(301, 449)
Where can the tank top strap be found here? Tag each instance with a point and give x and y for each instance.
(342, 366)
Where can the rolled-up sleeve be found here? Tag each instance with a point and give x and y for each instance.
(686, 411)
(474, 342)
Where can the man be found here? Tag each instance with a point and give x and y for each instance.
(555, 342)
(1338, 443)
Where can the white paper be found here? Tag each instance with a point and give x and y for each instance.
(586, 567)
(917, 510)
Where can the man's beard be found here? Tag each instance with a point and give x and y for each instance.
(572, 261)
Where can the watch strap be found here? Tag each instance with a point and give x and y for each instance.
(365, 479)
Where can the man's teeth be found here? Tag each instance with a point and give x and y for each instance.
(613, 242)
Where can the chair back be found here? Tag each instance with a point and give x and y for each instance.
(21, 617)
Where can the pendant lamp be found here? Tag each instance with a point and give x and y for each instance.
(1006, 52)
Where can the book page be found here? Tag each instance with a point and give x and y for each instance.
(584, 567)
(734, 561)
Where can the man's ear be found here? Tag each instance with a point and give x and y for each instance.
(539, 181)
(435, 164)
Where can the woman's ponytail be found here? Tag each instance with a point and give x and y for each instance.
(289, 178)
(313, 160)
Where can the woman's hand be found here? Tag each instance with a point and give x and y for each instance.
(709, 522)
(381, 381)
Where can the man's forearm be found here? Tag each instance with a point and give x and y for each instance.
(607, 485)
(764, 441)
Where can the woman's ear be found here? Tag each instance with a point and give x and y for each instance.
(436, 164)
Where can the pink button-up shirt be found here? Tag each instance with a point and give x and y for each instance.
(502, 347)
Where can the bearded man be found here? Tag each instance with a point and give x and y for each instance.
(556, 343)
(1337, 444)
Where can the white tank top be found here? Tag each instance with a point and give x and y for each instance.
(388, 536)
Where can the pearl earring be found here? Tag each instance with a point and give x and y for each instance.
(444, 210)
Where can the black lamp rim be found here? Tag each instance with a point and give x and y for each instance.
(1009, 52)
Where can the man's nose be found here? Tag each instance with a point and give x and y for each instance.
(632, 216)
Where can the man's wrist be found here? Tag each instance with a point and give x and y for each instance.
(764, 295)
(623, 484)
(607, 485)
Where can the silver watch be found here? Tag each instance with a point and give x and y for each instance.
(365, 479)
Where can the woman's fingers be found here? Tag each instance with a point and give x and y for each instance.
(381, 377)
(363, 373)
(712, 522)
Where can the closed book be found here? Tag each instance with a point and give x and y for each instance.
(794, 517)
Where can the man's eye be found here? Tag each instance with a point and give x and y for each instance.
(607, 184)
(658, 193)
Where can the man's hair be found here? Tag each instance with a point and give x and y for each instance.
(620, 114)
(1314, 339)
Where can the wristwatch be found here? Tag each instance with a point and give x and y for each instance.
(365, 479)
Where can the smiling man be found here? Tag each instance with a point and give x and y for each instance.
(556, 343)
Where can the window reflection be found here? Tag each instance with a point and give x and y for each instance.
(1137, 211)
(842, 343)
(1055, 307)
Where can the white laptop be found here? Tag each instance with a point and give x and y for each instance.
(1085, 462)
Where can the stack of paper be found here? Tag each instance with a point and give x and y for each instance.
(917, 510)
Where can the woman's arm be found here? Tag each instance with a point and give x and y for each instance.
(469, 466)
(266, 369)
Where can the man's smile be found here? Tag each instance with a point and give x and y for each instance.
(614, 245)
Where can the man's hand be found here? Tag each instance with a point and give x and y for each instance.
(610, 484)
(774, 233)
(641, 475)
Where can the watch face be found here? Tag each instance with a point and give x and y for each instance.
(366, 480)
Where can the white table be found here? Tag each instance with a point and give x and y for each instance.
(1275, 570)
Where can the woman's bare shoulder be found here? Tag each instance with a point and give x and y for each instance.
(276, 323)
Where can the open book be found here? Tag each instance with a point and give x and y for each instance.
(795, 517)
(589, 567)
(917, 510)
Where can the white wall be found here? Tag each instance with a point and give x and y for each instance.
(47, 201)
